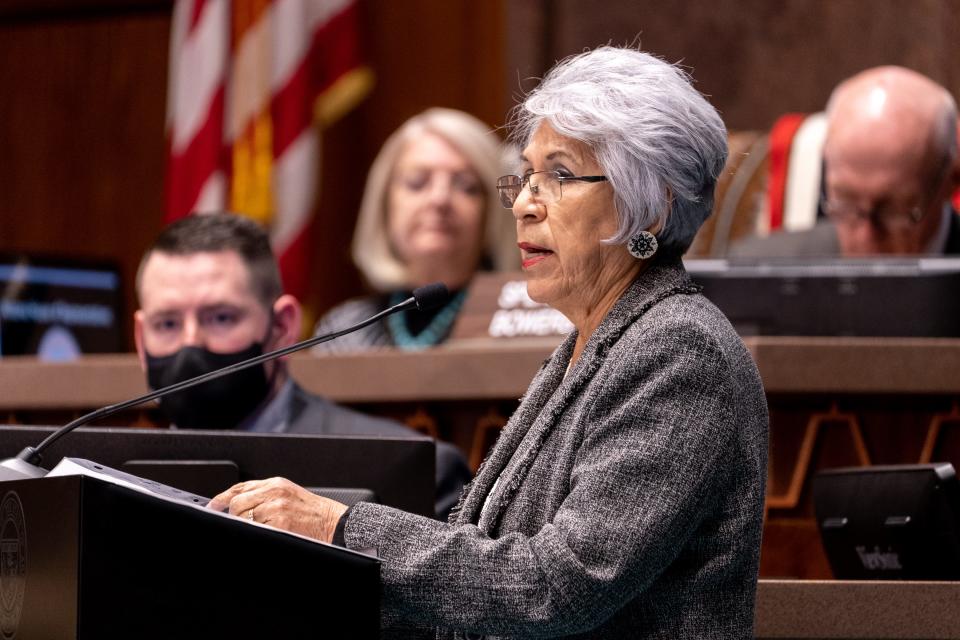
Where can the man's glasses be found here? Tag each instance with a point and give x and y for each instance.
(893, 219)
(546, 187)
(890, 218)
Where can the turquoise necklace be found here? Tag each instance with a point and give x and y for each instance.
(433, 333)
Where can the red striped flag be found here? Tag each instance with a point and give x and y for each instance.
(248, 81)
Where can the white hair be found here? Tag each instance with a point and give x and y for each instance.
(660, 143)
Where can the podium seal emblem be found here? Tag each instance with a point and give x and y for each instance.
(13, 564)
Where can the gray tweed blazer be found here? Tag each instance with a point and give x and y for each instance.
(630, 494)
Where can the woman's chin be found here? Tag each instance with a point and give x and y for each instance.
(538, 289)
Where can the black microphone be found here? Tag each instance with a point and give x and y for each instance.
(25, 465)
(430, 296)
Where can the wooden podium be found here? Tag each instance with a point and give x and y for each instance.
(83, 558)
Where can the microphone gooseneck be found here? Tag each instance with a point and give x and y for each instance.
(426, 297)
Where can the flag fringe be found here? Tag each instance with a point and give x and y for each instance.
(343, 95)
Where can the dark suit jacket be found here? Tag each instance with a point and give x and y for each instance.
(310, 413)
(819, 242)
(624, 499)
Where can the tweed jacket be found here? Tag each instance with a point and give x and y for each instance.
(624, 498)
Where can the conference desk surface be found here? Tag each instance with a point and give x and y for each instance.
(863, 609)
(492, 369)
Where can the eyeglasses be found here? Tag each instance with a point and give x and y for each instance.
(546, 187)
(890, 218)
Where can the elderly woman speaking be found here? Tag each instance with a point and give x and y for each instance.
(624, 499)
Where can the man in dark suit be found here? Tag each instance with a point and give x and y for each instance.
(890, 167)
(210, 295)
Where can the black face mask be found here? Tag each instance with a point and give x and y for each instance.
(216, 404)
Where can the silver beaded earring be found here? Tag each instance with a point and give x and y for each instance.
(643, 245)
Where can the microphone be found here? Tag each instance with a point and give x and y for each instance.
(25, 465)
(429, 296)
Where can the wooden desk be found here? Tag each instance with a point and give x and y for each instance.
(840, 609)
(488, 369)
(833, 402)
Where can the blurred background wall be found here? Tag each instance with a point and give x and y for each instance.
(83, 90)
(755, 59)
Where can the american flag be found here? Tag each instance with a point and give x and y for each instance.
(250, 83)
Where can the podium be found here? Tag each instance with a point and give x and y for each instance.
(83, 558)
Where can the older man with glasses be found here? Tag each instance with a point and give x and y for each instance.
(890, 167)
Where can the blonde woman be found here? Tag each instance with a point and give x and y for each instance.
(429, 214)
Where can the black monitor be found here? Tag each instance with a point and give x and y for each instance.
(58, 308)
(840, 297)
(399, 471)
(898, 522)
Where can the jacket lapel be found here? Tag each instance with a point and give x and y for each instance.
(297, 406)
(539, 392)
(658, 282)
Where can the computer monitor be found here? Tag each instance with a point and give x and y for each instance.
(840, 297)
(399, 471)
(898, 522)
(58, 308)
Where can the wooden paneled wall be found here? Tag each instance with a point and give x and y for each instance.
(82, 92)
(82, 108)
(755, 59)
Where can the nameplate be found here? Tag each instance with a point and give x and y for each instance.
(498, 306)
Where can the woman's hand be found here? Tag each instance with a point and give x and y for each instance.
(282, 504)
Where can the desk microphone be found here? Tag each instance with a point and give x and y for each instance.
(26, 464)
